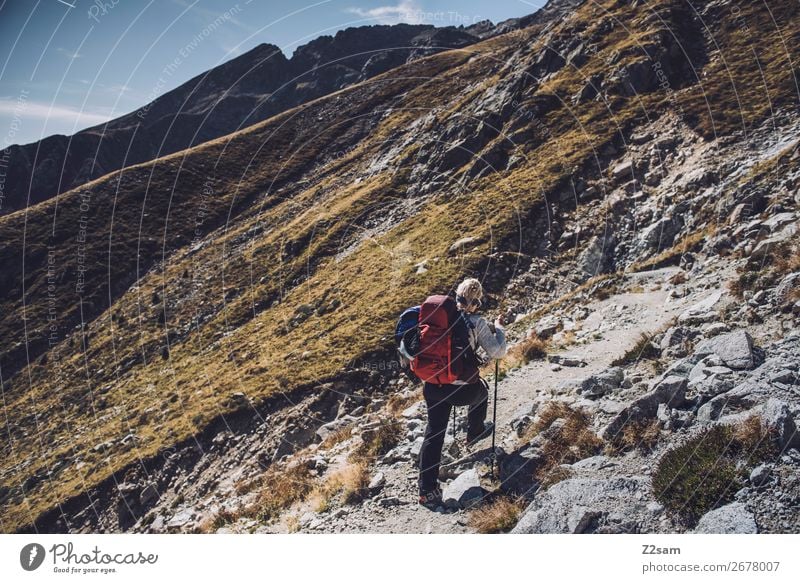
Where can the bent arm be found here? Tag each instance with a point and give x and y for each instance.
(494, 343)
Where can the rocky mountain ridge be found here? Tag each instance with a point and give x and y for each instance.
(238, 93)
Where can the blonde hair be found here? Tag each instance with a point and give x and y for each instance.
(470, 289)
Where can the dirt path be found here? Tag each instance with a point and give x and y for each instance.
(613, 326)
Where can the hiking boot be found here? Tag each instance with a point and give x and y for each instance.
(484, 433)
(432, 499)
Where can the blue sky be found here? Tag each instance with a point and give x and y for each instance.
(69, 64)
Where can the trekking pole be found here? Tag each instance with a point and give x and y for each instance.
(454, 422)
(494, 409)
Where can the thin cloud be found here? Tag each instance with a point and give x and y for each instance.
(406, 11)
(41, 111)
(72, 55)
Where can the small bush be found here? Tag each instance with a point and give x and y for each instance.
(221, 518)
(532, 348)
(706, 472)
(766, 271)
(499, 515)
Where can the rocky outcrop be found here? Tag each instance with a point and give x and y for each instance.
(582, 505)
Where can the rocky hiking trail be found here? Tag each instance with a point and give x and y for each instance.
(610, 327)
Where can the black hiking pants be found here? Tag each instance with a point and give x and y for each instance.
(440, 400)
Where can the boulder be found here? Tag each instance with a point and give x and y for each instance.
(517, 472)
(674, 338)
(671, 391)
(377, 481)
(735, 349)
(739, 398)
(776, 416)
(547, 326)
(601, 383)
(597, 258)
(622, 170)
(785, 287)
(760, 475)
(465, 491)
(325, 430)
(732, 518)
(702, 307)
(578, 505)
(180, 520)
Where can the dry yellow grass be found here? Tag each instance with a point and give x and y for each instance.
(348, 483)
(398, 403)
(499, 515)
(642, 435)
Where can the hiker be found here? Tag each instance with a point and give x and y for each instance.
(440, 398)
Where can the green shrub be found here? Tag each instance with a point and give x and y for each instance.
(706, 472)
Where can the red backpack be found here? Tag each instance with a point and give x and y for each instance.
(442, 350)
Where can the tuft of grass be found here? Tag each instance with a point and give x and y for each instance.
(221, 518)
(398, 403)
(349, 483)
(377, 442)
(643, 435)
(292, 523)
(336, 437)
(706, 472)
(279, 489)
(643, 349)
(766, 271)
(531, 348)
(672, 256)
(499, 515)
(572, 442)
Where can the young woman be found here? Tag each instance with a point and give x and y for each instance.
(441, 398)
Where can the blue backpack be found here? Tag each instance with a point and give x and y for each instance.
(406, 324)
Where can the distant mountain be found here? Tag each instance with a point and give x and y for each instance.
(236, 94)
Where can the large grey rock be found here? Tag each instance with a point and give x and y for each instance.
(760, 475)
(601, 383)
(671, 391)
(786, 285)
(702, 307)
(739, 398)
(660, 234)
(596, 259)
(734, 348)
(732, 518)
(181, 520)
(328, 428)
(776, 416)
(547, 326)
(517, 472)
(465, 491)
(579, 505)
(673, 340)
